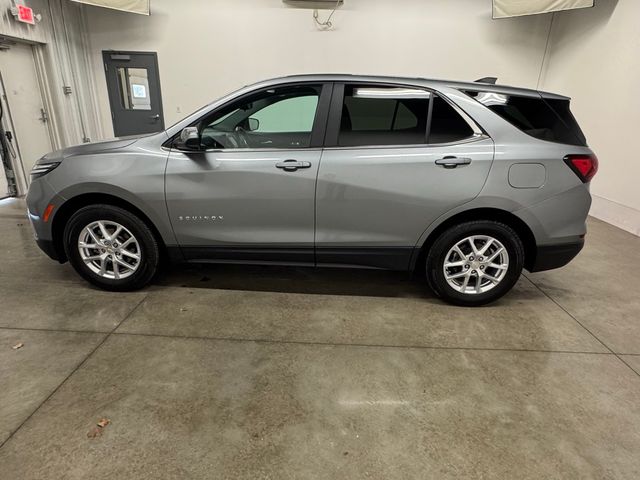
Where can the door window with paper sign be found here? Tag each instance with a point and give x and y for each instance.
(133, 84)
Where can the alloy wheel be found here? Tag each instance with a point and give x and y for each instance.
(109, 249)
(476, 264)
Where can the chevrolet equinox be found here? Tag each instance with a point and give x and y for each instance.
(464, 183)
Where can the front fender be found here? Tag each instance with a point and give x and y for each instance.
(151, 203)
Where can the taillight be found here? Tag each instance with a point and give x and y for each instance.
(584, 166)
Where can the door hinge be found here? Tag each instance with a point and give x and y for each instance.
(44, 116)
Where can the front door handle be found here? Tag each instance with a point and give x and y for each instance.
(155, 117)
(452, 162)
(292, 165)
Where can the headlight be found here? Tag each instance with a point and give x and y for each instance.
(41, 169)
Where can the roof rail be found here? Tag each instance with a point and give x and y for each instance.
(489, 80)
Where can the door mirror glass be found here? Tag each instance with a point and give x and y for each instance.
(253, 124)
(189, 139)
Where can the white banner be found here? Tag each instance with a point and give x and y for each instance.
(134, 6)
(517, 8)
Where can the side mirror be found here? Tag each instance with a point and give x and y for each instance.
(189, 139)
(253, 124)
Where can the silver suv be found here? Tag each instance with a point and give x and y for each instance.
(464, 183)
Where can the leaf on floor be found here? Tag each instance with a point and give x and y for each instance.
(99, 428)
(103, 422)
(18, 345)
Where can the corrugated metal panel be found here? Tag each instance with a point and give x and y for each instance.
(517, 8)
(134, 6)
(10, 27)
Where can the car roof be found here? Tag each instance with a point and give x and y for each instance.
(417, 81)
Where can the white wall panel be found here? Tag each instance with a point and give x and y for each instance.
(594, 58)
(133, 6)
(206, 49)
(516, 8)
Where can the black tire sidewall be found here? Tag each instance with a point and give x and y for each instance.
(144, 236)
(436, 257)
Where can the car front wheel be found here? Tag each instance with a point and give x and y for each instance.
(111, 247)
(475, 263)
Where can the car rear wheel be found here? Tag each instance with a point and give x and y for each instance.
(111, 247)
(475, 263)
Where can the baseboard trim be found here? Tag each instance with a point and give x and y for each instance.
(621, 216)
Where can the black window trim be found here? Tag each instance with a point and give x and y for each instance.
(318, 130)
(335, 117)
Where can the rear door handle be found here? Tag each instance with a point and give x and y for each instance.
(292, 165)
(453, 162)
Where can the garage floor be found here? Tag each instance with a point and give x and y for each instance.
(257, 372)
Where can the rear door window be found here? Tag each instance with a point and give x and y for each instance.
(373, 115)
(447, 125)
(383, 116)
(545, 119)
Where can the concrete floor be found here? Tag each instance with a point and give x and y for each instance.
(257, 372)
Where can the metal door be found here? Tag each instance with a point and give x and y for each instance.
(25, 117)
(133, 84)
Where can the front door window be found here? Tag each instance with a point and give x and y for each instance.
(274, 118)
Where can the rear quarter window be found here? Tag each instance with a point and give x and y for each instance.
(545, 119)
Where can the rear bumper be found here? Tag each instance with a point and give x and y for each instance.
(549, 257)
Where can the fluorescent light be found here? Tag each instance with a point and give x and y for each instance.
(390, 93)
(490, 98)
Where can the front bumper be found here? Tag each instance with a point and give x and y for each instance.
(39, 196)
(549, 257)
(47, 247)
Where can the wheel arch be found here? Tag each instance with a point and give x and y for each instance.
(72, 205)
(521, 228)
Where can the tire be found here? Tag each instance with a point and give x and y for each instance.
(495, 276)
(95, 226)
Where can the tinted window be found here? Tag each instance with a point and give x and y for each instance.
(274, 118)
(549, 120)
(383, 116)
(397, 116)
(293, 114)
(446, 124)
